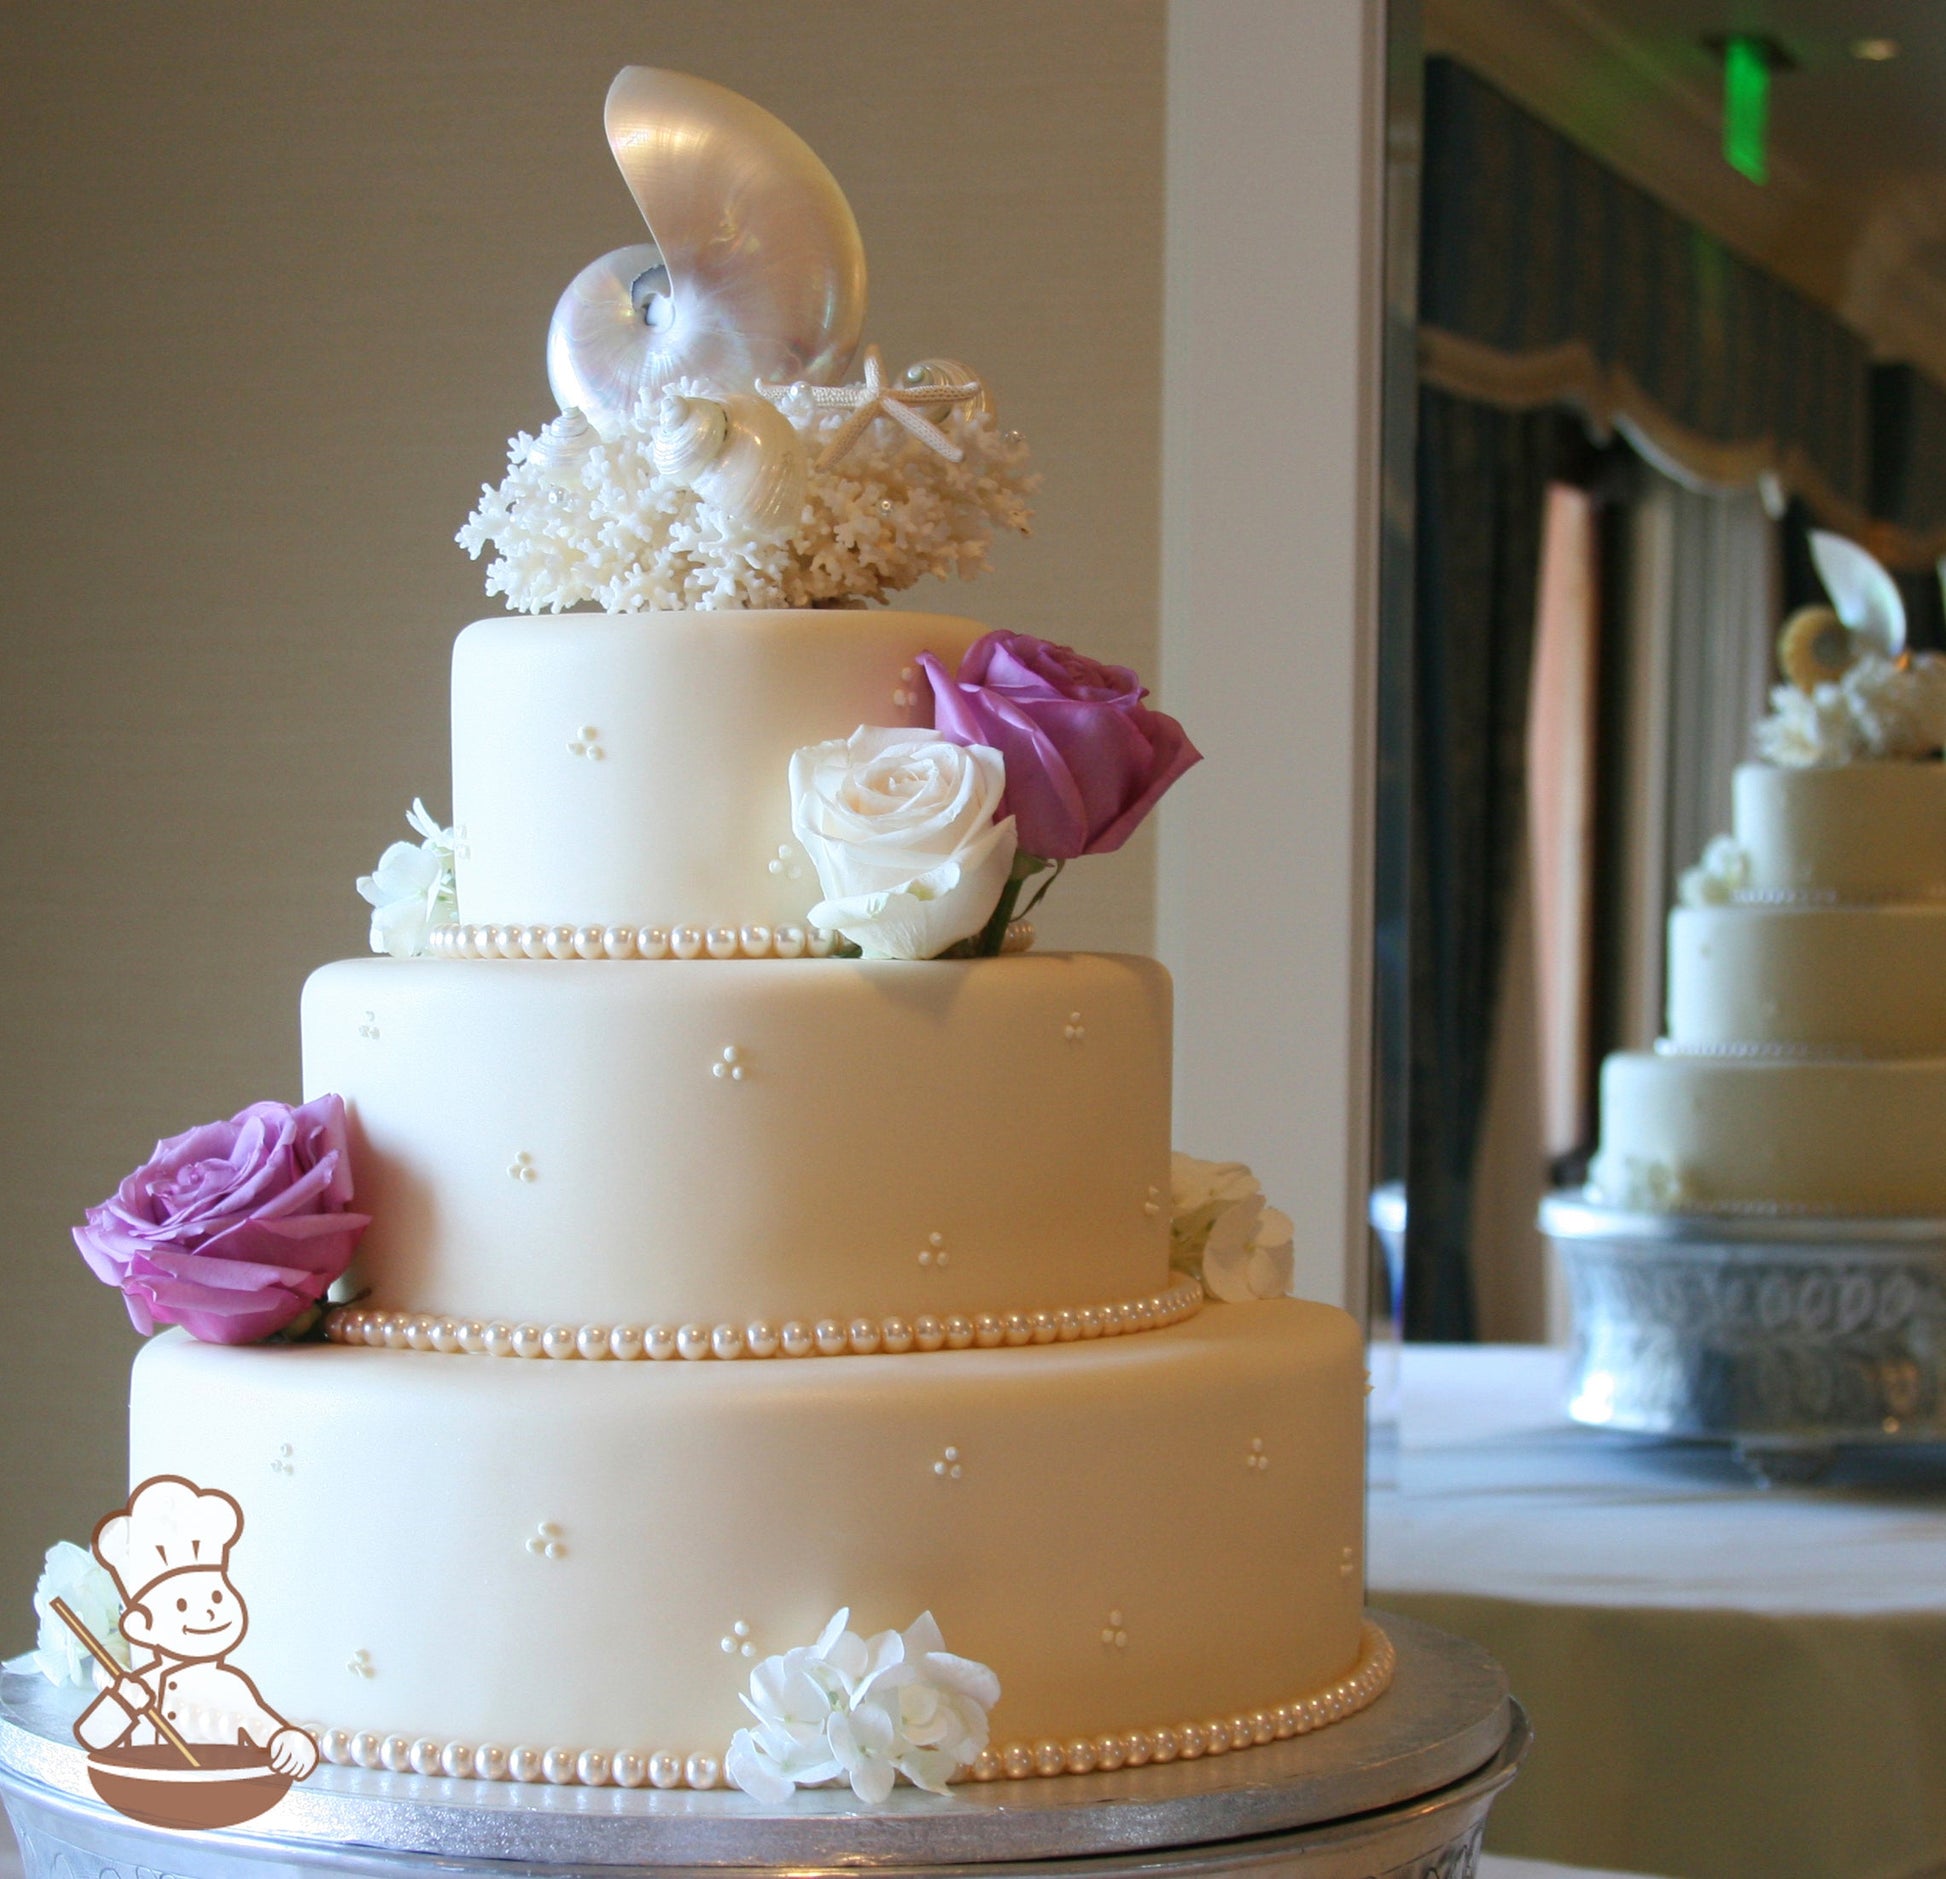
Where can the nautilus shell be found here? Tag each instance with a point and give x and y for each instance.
(1865, 597)
(563, 442)
(753, 269)
(947, 372)
(740, 455)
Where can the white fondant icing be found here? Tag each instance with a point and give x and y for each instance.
(1781, 1136)
(1844, 981)
(885, 1102)
(416, 1473)
(699, 715)
(1856, 832)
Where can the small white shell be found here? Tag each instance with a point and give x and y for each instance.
(948, 372)
(563, 442)
(741, 455)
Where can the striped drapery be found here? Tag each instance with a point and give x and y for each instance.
(1546, 279)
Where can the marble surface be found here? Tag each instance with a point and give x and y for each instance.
(1724, 1679)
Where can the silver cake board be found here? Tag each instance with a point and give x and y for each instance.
(1403, 1788)
(1789, 1336)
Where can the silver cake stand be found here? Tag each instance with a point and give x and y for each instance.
(1400, 1791)
(1789, 1337)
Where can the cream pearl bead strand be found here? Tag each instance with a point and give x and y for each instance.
(1137, 1748)
(655, 942)
(794, 1337)
(630, 942)
(1046, 1757)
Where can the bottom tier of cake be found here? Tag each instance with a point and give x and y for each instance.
(570, 1568)
(1821, 1135)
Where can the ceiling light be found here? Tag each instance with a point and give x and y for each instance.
(1875, 51)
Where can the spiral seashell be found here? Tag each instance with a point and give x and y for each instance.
(948, 372)
(1865, 597)
(740, 455)
(563, 442)
(754, 268)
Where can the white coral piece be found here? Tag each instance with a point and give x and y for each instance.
(612, 530)
(1882, 710)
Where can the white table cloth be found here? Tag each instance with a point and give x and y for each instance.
(1724, 1680)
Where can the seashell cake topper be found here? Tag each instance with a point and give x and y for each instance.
(709, 452)
(753, 268)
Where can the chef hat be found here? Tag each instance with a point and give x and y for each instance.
(169, 1524)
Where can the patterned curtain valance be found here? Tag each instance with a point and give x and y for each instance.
(1545, 278)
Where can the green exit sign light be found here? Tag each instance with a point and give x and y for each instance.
(1750, 61)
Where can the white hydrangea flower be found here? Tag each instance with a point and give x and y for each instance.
(1900, 710)
(864, 1711)
(1808, 729)
(411, 889)
(609, 528)
(1882, 710)
(1222, 1232)
(1638, 1184)
(74, 1575)
(1721, 875)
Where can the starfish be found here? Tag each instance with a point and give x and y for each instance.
(876, 399)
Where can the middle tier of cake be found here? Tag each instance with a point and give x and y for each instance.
(700, 1143)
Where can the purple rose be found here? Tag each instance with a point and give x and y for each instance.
(1086, 758)
(234, 1229)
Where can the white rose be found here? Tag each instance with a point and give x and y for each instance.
(73, 1575)
(901, 828)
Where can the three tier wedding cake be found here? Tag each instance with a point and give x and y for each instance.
(730, 1221)
(1804, 1067)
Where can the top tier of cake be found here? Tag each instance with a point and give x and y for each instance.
(631, 769)
(1855, 832)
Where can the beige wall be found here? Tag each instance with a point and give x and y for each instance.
(274, 286)
(1269, 597)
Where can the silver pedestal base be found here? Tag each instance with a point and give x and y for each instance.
(1788, 1337)
(1400, 1791)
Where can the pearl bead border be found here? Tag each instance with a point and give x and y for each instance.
(1048, 1756)
(1014, 1761)
(1769, 1051)
(890, 1336)
(654, 942)
(630, 942)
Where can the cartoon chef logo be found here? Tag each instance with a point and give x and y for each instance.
(183, 1733)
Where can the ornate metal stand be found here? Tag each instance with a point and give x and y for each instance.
(1400, 1791)
(1788, 1337)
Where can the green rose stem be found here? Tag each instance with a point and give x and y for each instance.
(993, 935)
